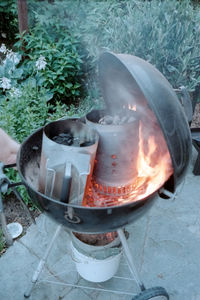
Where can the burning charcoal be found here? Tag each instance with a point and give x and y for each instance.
(80, 136)
(131, 119)
(116, 120)
(57, 139)
(101, 239)
(69, 141)
(76, 142)
(64, 134)
(123, 120)
(64, 139)
(101, 121)
(86, 144)
(106, 120)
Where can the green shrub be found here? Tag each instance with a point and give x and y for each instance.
(53, 58)
(10, 74)
(165, 33)
(22, 113)
(8, 17)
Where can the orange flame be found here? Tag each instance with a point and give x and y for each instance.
(153, 165)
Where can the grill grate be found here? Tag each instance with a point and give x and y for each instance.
(99, 195)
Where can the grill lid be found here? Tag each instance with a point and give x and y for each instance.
(127, 81)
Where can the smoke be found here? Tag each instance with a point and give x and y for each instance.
(120, 91)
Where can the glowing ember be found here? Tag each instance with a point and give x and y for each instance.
(153, 164)
(101, 239)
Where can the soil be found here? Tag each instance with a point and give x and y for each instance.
(14, 212)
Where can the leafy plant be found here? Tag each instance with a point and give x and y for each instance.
(21, 114)
(52, 56)
(9, 73)
(165, 33)
(8, 17)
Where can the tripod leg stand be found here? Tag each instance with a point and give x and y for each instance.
(130, 259)
(41, 263)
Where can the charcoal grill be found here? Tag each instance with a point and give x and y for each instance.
(126, 81)
(128, 84)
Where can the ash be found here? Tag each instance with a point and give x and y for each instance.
(118, 119)
(32, 172)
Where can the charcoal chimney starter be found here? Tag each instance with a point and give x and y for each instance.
(115, 162)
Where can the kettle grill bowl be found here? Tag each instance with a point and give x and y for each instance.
(85, 219)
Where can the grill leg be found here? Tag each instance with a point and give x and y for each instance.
(41, 263)
(196, 170)
(130, 259)
(7, 235)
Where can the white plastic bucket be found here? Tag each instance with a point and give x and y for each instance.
(95, 270)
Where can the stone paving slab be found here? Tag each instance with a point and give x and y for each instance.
(165, 244)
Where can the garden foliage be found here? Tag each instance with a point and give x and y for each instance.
(8, 19)
(165, 33)
(52, 56)
(66, 39)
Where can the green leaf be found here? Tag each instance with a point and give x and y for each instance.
(68, 85)
(49, 96)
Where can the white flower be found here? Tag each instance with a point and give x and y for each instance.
(13, 56)
(3, 49)
(4, 35)
(41, 63)
(5, 83)
(14, 92)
